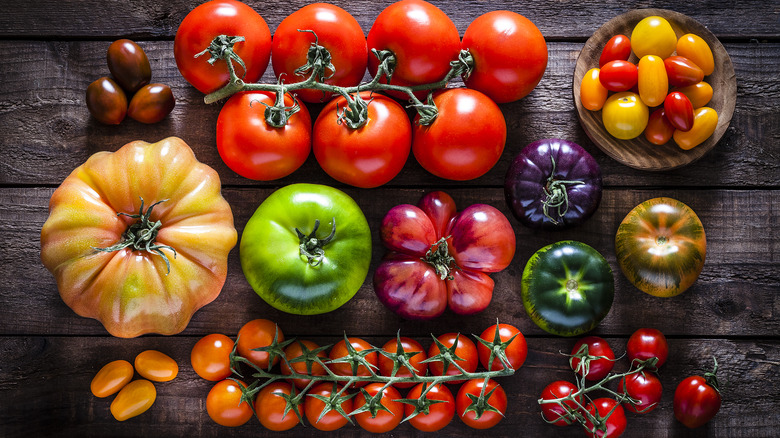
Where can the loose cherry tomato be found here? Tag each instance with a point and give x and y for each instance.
(653, 35)
(134, 399)
(646, 343)
(596, 369)
(384, 420)
(617, 48)
(129, 65)
(699, 94)
(682, 72)
(111, 378)
(340, 352)
(409, 346)
(224, 404)
(435, 415)
(465, 350)
(516, 351)
(258, 333)
(592, 93)
(705, 120)
(679, 111)
(618, 75)
(658, 131)
(313, 407)
(156, 366)
(698, 51)
(652, 82)
(106, 101)
(210, 357)
(271, 407)
(560, 414)
(642, 386)
(151, 103)
(495, 397)
(697, 399)
(295, 351)
(610, 414)
(624, 115)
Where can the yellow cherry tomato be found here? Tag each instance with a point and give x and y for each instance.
(156, 366)
(699, 94)
(133, 400)
(697, 50)
(111, 378)
(653, 84)
(705, 119)
(653, 36)
(625, 115)
(592, 93)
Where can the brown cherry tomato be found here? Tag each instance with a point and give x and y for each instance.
(106, 101)
(128, 65)
(111, 378)
(682, 71)
(151, 103)
(618, 75)
(156, 366)
(658, 130)
(679, 111)
(699, 94)
(592, 93)
(617, 48)
(133, 400)
(698, 51)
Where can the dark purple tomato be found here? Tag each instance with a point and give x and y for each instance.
(129, 65)
(151, 103)
(106, 101)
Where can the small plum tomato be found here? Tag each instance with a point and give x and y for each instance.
(224, 404)
(408, 345)
(271, 407)
(210, 357)
(601, 362)
(389, 414)
(618, 75)
(156, 366)
(437, 408)
(516, 351)
(653, 35)
(482, 414)
(111, 378)
(129, 65)
(151, 103)
(258, 333)
(106, 101)
(646, 343)
(464, 349)
(682, 72)
(592, 93)
(617, 48)
(624, 115)
(314, 405)
(679, 111)
(295, 355)
(699, 93)
(134, 399)
(658, 131)
(652, 82)
(698, 51)
(705, 120)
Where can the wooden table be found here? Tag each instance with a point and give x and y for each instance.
(52, 50)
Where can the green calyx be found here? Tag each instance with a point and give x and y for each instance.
(311, 247)
(439, 257)
(556, 196)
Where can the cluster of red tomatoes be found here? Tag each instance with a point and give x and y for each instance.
(509, 57)
(330, 403)
(680, 112)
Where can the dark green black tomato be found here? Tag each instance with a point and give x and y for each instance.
(567, 288)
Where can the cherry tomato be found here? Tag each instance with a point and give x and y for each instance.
(699, 94)
(258, 333)
(370, 155)
(705, 120)
(465, 350)
(409, 346)
(271, 406)
(652, 82)
(313, 406)
(209, 20)
(698, 51)
(501, 72)
(653, 35)
(129, 65)
(438, 414)
(111, 378)
(682, 72)
(336, 30)
(151, 103)
(617, 48)
(646, 343)
(384, 420)
(516, 351)
(658, 131)
(133, 399)
(156, 366)
(106, 101)
(612, 414)
(679, 111)
(210, 357)
(697, 400)
(618, 75)
(497, 400)
(642, 386)
(560, 414)
(466, 139)
(624, 115)
(592, 93)
(224, 404)
(597, 369)
(294, 351)
(340, 351)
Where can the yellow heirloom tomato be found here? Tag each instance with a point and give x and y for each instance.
(653, 36)
(138, 238)
(624, 115)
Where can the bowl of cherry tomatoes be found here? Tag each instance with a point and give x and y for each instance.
(641, 95)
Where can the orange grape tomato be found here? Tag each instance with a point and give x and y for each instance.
(705, 121)
(210, 357)
(133, 400)
(653, 35)
(658, 131)
(592, 93)
(699, 94)
(697, 50)
(156, 366)
(625, 115)
(652, 82)
(111, 378)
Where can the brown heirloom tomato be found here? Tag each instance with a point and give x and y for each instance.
(661, 246)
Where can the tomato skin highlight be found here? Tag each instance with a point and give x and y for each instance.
(553, 411)
(592, 93)
(618, 75)
(617, 48)
(652, 82)
(615, 424)
(210, 357)
(642, 386)
(658, 130)
(698, 51)
(128, 64)
(156, 366)
(598, 368)
(106, 101)
(705, 120)
(111, 378)
(134, 399)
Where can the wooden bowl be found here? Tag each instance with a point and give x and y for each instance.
(640, 153)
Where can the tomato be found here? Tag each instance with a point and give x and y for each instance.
(314, 406)
(560, 414)
(502, 72)
(660, 247)
(408, 346)
(679, 111)
(336, 30)
(133, 283)
(618, 75)
(156, 366)
(653, 35)
(516, 351)
(441, 257)
(705, 120)
(129, 65)
(370, 155)
(111, 378)
(481, 415)
(466, 139)
(151, 103)
(624, 115)
(209, 20)
(602, 358)
(422, 38)
(296, 356)
(210, 357)
(682, 72)
(652, 81)
(436, 409)
(258, 333)
(133, 399)
(697, 399)
(592, 93)
(646, 343)
(271, 407)
(698, 51)
(458, 346)
(617, 48)
(106, 101)
(388, 412)
(224, 404)
(644, 387)
(325, 272)
(658, 131)
(699, 93)
(341, 365)
(567, 288)
(610, 418)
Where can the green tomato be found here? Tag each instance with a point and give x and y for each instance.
(567, 288)
(306, 249)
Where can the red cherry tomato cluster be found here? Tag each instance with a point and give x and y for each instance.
(671, 85)
(377, 406)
